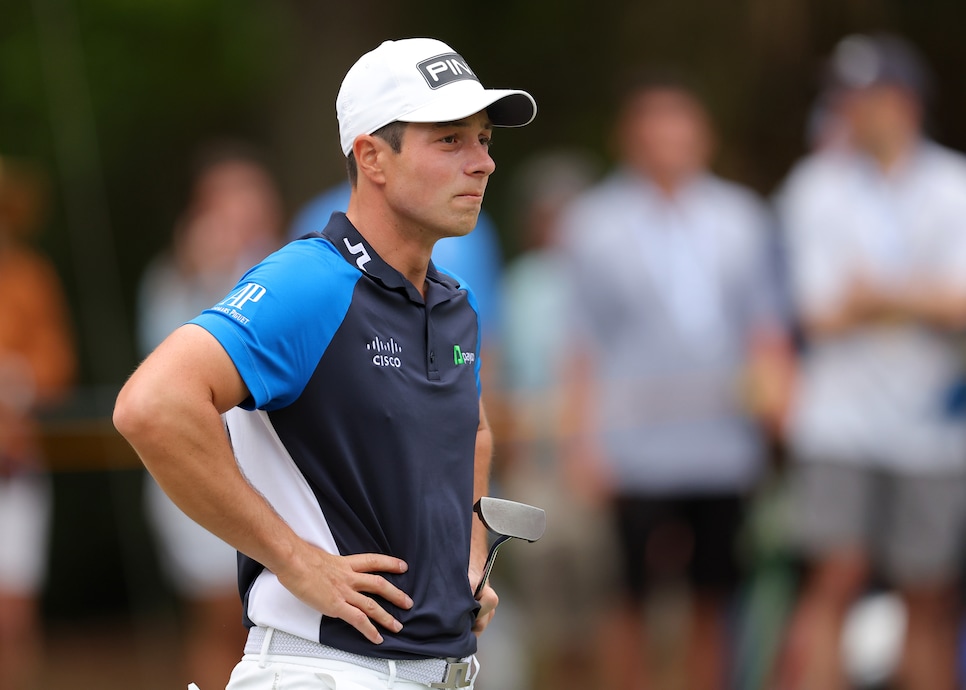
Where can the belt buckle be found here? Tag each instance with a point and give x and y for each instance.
(457, 675)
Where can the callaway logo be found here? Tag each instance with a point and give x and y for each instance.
(385, 354)
(360, 250)
(443, 69)
(236, 301)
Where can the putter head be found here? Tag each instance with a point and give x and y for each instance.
(511, 519)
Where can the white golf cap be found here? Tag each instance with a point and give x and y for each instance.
(420, 80)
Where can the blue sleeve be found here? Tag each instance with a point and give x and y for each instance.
(471, 298)
(278, 321)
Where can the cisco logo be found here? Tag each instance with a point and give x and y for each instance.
(385, 353)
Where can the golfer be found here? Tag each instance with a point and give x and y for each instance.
(325, 417)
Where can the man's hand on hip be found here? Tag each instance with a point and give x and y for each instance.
(338, 586)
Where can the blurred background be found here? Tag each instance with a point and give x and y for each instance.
(104, 106)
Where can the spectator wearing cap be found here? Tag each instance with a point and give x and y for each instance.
(876, 237)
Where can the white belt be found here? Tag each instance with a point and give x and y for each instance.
(435, 673)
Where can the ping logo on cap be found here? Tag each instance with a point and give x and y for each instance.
(444, 69)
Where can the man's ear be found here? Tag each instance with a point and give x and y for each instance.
(369, 153)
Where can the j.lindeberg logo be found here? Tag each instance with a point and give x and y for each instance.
(444, 69)
(359, 251)
(386, 353)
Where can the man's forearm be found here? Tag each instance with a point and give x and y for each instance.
(481, 486)
(863, 305)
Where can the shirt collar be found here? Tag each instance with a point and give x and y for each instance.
(357, 251)
(646, 187)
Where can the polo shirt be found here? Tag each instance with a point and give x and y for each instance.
(879, 394)
(667, 293)
(360, 430)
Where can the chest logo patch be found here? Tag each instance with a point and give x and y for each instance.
(460, 357)
(385, 353)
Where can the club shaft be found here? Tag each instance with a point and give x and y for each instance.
(490, 558)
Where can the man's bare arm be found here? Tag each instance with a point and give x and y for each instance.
(926, 301)
(480, 537)
(170, 412)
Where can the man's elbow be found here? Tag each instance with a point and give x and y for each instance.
(134, 416)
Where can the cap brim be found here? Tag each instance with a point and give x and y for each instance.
(505, 107)
(513, 109)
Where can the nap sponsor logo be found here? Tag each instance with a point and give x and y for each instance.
(460, 357)
(385, 353)
(444, 69)
(236, 301)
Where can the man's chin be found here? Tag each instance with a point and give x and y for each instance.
(463, 224)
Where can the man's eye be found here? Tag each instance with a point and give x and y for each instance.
(486, 141)
(451, 139)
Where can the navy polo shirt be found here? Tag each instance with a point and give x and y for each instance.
(360, 430)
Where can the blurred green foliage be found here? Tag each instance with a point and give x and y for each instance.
(111, 97)
(114, 96)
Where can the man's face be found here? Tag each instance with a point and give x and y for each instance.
(435, 184)
(878, 115)
(665, 133)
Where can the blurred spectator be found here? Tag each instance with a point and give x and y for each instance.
(233, 220)
(683, 352)
(37, 364)
(560, 582)
(876, 237)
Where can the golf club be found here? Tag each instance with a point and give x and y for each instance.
(508, 520)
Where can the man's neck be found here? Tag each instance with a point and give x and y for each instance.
(667, 186)
(403, 248)
(892, 154)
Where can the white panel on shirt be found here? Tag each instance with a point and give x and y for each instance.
(270, 469)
